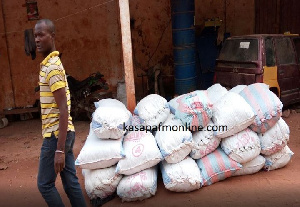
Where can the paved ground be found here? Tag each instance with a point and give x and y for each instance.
(20, 144)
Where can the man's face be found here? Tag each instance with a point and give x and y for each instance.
(43, 38)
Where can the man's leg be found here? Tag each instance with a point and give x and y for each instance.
(68, 175)
(47, 175)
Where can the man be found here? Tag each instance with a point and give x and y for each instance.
(57, 127)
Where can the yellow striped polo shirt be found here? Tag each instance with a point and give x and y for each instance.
(52, 77)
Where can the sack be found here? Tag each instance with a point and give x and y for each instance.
(265, 104)
(174, 140)
(238, 88)
(215, 92)
(252, 166)
(153, 109)
(101, 182)
(193, 109)
(204, 142)
(109, 119)
(217, 166)
(278, 159)
(242, 147)
(181, 177)
(275, 139)
(136, 121)
(233, 112)
(138, 186)
(97, 153)
(141, 152)
(109, 102)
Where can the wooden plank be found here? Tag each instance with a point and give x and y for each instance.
(127, 53)
(20, 111)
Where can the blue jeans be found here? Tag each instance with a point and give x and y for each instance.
(47, 175)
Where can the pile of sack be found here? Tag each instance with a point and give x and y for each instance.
(194, 140)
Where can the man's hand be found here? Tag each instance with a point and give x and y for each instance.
(59, 162)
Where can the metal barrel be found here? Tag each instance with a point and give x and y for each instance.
(184, 55)
(185, 85)
(183, 35)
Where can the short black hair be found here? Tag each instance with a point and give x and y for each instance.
(49, 23)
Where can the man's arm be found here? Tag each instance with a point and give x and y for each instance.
(61, 100)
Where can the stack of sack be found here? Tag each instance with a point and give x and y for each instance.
(272, 130)
(104, 148)
(194, 140)
(115, 159)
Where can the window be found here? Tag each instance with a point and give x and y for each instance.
(240, 50)
(284, 51)
(270, 54)
(297, 46)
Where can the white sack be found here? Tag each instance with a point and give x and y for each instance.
(252, 166)
(278, 159)
(204, 142)
(181, 177)
(275, 139)
(109, 102)
(175, 143)
(238, 88)
(138, 186)
(101, 182)
(242, 147)
(97, 153)
(136, 121)
(141, 152)
(109, 119)
(153, 109)
(215, 92)
(233, 112)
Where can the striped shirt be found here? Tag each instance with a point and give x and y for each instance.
(52, 77)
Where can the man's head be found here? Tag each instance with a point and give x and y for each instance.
(44, 33)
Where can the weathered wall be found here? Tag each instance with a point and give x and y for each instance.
(89, 40)
(6, 92)
(151, 32)
(237, 16)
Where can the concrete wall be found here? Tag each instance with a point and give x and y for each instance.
(90, 39)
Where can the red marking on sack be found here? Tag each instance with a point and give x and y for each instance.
(137, 150)
(135, 136)
(277, 148)
(244, 139)
(136, 183)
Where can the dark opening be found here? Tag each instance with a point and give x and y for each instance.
(270, 53)
(284, 51)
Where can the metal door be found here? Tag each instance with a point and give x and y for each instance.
(288, 72)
